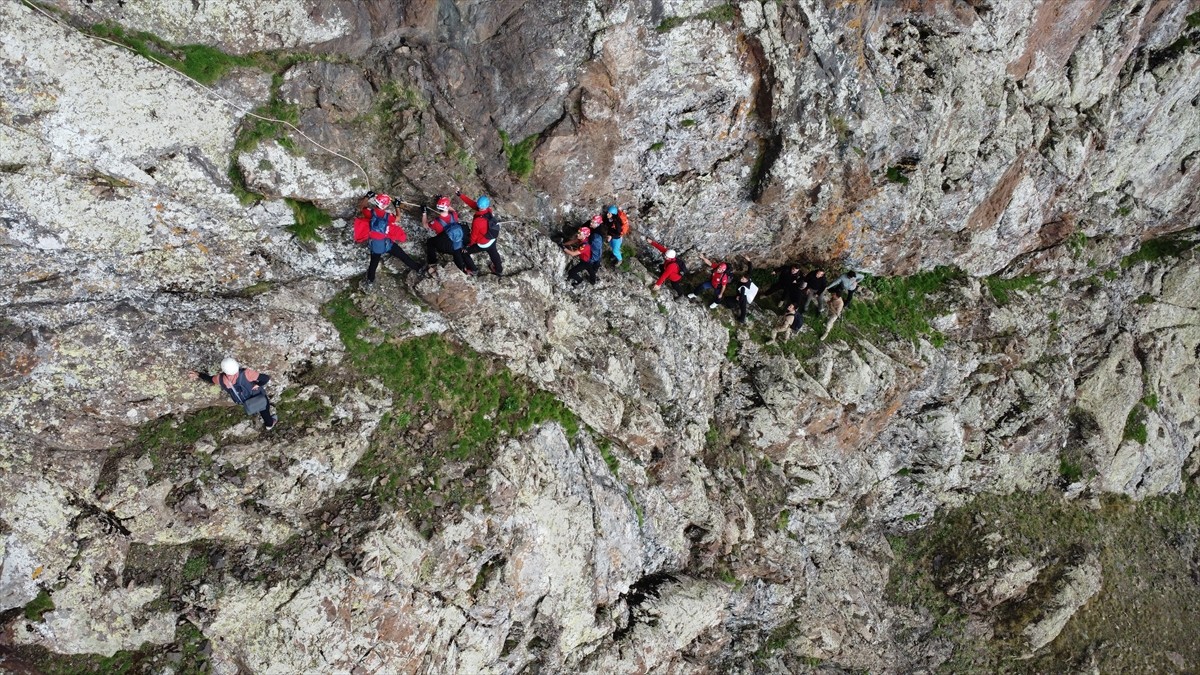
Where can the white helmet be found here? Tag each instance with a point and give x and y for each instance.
(670, 254)
(229, 366)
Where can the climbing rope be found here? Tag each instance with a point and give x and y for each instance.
(206, 89)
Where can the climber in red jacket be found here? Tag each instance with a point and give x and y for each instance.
(377, 226)
(672, 272)
(484, 230)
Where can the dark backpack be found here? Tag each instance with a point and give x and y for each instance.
(493, 228)
(683, 270)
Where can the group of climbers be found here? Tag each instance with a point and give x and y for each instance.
(378, 226)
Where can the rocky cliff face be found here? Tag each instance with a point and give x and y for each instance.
(510, 475)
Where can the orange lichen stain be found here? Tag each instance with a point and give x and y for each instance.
(38, 572)
(159, 206)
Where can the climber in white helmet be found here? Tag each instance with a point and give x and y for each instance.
(245, 386)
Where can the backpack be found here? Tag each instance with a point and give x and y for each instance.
(623, 223)
(597, 244)
(242, 392)
(493, 226)
(683, 270)
(454, 232)
(379, 224)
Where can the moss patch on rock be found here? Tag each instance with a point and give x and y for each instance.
(1145, 614)
(451, 406)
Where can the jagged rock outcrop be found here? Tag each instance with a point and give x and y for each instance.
(725, 504)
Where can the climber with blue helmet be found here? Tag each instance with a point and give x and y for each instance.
(484, 230)
(616, 226)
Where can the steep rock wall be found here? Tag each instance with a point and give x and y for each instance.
(718, 501)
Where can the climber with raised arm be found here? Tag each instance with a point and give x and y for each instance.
(449, 236)
(378, 227)
(245, 386)
(717, 282)
(673, 270)
(484, 230)
(848, 282)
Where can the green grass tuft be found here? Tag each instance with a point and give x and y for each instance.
(687, 123)
(202, 63)
(254, 130)
(520, 156)
(895, 174)
(723, 13)
(655, 147)
(195, 568)
(999, 287)
(670, 23)
(38, 606)
(1070, 471)
(610, 459)
(1170, 246)
(308, 220)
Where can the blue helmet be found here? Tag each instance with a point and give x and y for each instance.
(612, 210)
(484, 202)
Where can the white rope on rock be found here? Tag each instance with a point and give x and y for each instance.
(206, 89)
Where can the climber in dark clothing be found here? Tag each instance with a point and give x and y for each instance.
(792, 284)
(379, 229)
(244, 386)
(747, 290)
(816, 290)
(448, 237)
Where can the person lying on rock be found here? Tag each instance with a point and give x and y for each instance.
(588, 248)
(717, 283)
(848, 282)
(377, 226)
(833, 310)
(747, 290)
(789, 324)
(815, 292)
(614, 229)
(245, 386)
(484, 230)
(672, 270)
(448, 237)
(792, 284)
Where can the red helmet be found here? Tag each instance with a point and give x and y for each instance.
(597, 220)
(443, 204)
(722, 267)
(585, 232)
(383, 201)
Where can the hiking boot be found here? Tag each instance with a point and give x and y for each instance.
(691, 296)
(366, 287)
(274, 422)
(714, 305)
